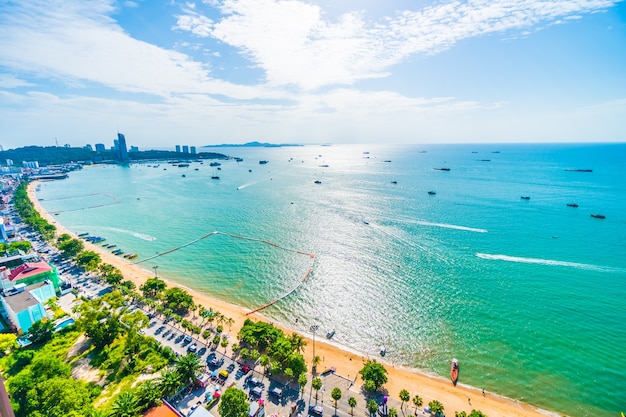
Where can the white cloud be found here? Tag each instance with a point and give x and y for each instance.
(296, 44)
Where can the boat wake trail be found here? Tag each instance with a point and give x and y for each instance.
(549, 262)
(138, 235)
(452, 226)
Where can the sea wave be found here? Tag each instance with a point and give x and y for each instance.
(549, 262)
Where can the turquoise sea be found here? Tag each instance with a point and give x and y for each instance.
(529, 295)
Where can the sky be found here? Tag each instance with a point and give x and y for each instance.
(166, 72)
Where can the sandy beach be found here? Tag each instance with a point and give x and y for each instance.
(459, 398)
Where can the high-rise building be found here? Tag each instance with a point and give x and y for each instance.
(100, 147)
(177, 148)
(185, 149)
(134, 149)
(193, 150)
(121, 148)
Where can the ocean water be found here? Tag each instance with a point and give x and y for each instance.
(527, 294)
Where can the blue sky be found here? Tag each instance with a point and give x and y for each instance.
(317, 71)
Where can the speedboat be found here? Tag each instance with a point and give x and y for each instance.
(330, 334)
(383, 351)
(572, 205)
(598, 216)
(454, 371)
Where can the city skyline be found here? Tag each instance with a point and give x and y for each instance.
(236, 71)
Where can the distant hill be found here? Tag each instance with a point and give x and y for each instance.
(252, 145)
(56, 155)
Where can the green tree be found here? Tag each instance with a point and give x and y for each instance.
(404, 397)
(7, 342)
(375, 372)
(58, 397)
(302, 380)
(178, 300)
(476, 413)
(369, 386)
(393, 412)
(224, 343)
(169, 382)
(275, 368)
(372, 407)
(153, 287)
(436, 407)
(125, 405)
(88, 260)
(288, 372)
(460, 414)
(352, 404)
(316, 384)
(233, 403)
(336, 395)
(418, 402)
(149, 394)
(71, 248)
(297, 342)
(188, 367)
(41, 331)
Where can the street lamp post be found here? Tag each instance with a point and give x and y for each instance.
(314, 329)
(155, 267)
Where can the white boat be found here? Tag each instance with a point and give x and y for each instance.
(383, 351)
(330, 334)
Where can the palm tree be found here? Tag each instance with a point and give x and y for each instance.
(393, 412)
(336, 395)
(188, 366)
(417, 401)
(372, 407)
(169, 382)
(316, 384)
(125, 405)
(352, 404)
(149, 394)
(302, 380)
(229, 322)
(405, 397)
(297, 343)
(436, 407)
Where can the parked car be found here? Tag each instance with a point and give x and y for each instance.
(192, 348)
(316, 410)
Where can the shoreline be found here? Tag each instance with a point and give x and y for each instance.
(346, 361)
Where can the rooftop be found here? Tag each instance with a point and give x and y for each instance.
(29, 269)
(164, 410)
(23, 300)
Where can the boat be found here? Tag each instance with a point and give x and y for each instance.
(183, 165)
(394, 182)
(117, 252)
(387, 160)
(383, 351)
(365, 222)
(263, 162)
(432, 192)
(324, 166)
(130, 256)
(249, 170)
(579, 170)
(214, 164)
(441, 169)
(318, 182)
(330, 334)
(83, 234)
(525, 197)
(112, 245)
(183, 175)
(598, 216)
(454, 371)
(215, 177)
(572, 205)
